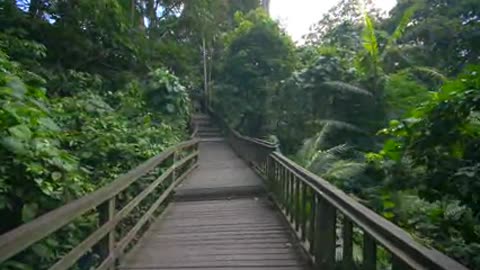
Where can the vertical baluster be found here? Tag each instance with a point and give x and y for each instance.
(347, 244)
(278, 182)
(369, 252)
(107, 244)
(297, 202)
(270, 181)
(273, 178)
(325, 231)
(174, 160)
(287, 193)
(313, 213)
(304, 211)
(291, 198)
(278, 179)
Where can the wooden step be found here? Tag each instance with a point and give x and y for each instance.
(208, 134)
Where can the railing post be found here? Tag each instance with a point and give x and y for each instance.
(107, 245)
(369, 253)
(347, 257)
(174, 160)
(313, 217)
(303, 216)
(325, 235)
(297, 193)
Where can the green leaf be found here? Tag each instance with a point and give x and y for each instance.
(56, 176)
(48, 124)
(16, 265)
(388, 204)
(29, 212)
(391, 150)
(18, 88)
(20, 132)
(13, 145)
(388, 215)
(170, 108)
(369, 39)
(42, 250)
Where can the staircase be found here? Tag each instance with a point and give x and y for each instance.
(206, 130)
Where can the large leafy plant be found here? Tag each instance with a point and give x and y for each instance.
(37, 174)
(434, 154)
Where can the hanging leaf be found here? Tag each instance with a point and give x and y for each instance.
(29, 212)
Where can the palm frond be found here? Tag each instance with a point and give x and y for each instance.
(339, 150)
(346, 87)
(322, 162)
(341, 125)
(402, 25)
(310, 147)
(431, 72)
(345, 169)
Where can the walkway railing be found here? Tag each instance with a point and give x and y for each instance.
(121, 213)
(335, 230)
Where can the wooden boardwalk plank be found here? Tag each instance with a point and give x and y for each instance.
(217, 233)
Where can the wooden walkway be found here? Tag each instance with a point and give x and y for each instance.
(220, 220)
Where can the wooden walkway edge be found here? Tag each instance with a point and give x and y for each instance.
(221, 219)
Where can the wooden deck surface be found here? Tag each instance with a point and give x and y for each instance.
(220, 220)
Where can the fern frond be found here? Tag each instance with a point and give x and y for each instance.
(346, 87)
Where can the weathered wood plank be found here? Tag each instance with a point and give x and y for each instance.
(169, 245)
(219, 233)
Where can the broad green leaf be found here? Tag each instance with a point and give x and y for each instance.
(21, 132)
(14, 145)
(18, 87)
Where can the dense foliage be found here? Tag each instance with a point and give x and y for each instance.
(89, 90)
(383, 106)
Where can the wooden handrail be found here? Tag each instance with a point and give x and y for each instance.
(17, 240)
(403, 247)
(316, 210)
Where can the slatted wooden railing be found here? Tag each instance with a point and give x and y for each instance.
(168, 169)
(336, 231)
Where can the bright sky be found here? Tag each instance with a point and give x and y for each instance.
(297, 16)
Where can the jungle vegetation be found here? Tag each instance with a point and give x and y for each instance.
(384, 106)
